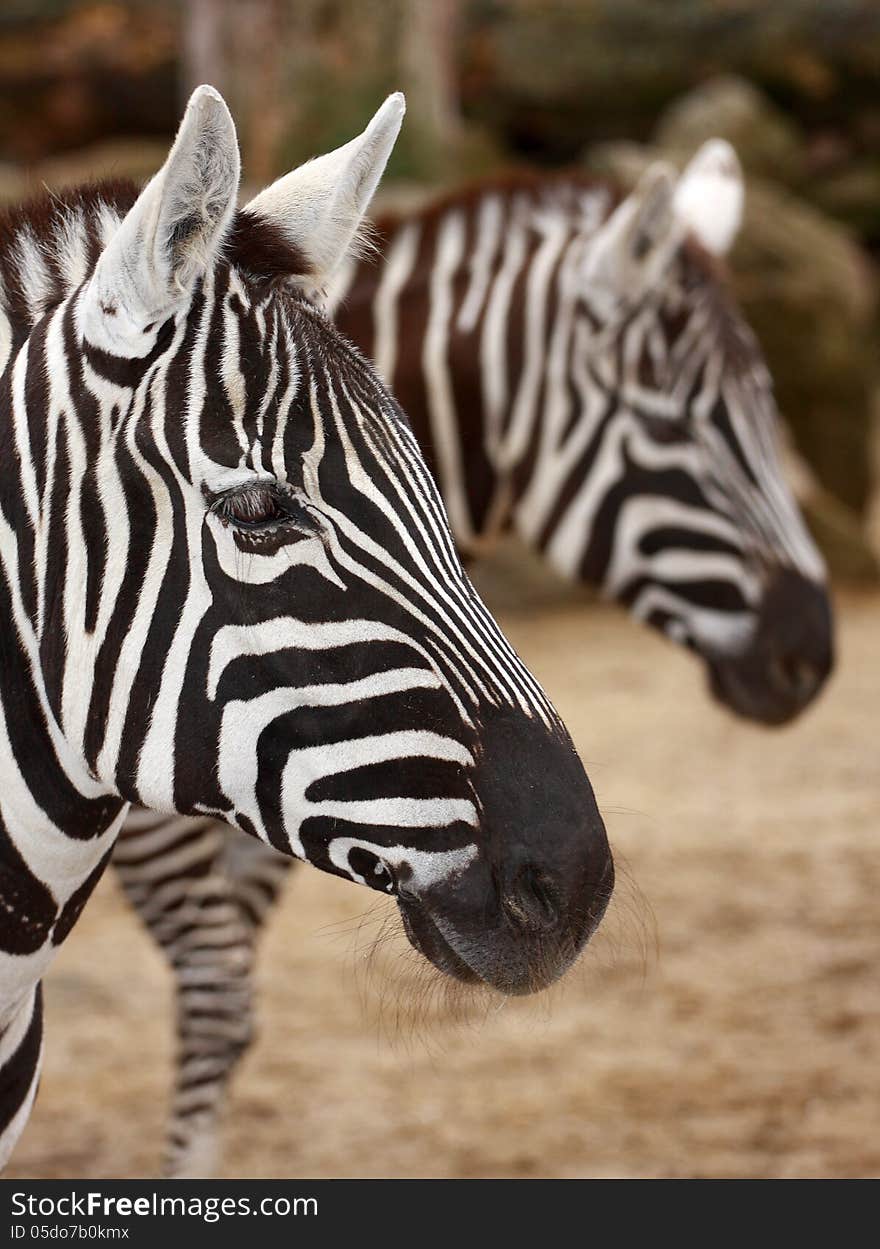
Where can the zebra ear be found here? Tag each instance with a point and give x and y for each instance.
(710, 194)
(172, 234)
(631, 248)
(320, 206)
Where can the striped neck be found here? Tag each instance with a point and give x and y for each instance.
(477, 295)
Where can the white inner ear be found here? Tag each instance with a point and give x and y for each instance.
(171, 235)
(710, 196)
(321, 205)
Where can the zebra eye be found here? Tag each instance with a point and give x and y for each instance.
(256, 506)
(666, 429)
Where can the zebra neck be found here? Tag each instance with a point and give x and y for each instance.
(52, 440)
(470, 320)
(57, 824)
(45, 783)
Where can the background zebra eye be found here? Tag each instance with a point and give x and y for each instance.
(666, 429)
(253, 507)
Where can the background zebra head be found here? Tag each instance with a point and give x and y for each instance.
(691, 523)
(277, 628)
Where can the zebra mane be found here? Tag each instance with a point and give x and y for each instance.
(563, 188)
(50, 244)
(563, 191)
(734, 335)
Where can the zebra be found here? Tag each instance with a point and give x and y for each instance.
(574, 369)
(612, 409)
(231, 591)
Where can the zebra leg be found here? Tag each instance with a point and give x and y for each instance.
(215, 995)
(203, 890)
(21, 1051)
(171, 871)
(257, 873)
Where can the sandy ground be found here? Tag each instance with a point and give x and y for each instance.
(726, 1022)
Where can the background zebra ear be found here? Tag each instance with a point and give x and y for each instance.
(320, 206)
(710, 195)
(631, 248)
(171, 235)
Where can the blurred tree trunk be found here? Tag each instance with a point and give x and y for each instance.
(237, 46)
(204, 55)
(259, 31)
(429, 42)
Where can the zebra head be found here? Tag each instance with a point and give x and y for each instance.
(690, 520)
(285, 636)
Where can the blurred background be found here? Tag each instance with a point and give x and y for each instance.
(728, 1022)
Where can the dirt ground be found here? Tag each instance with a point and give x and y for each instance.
(726, 1022)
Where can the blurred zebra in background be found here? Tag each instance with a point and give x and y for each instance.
(574, 369)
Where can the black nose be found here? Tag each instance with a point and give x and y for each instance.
(789, 658)
(796, 633)
(518, 915)
(798, 677)
(542, 833)
(530, 901)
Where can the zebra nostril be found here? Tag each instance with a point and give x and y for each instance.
(798, 675)
(374, 871)
(531, 901)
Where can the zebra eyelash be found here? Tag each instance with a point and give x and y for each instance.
(261, 506)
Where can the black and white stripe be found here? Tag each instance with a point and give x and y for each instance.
(230, 589)
(574, 368)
